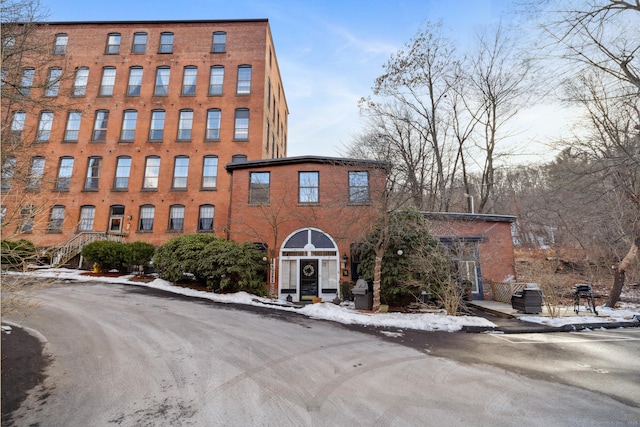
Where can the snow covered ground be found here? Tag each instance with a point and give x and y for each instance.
(346, 313)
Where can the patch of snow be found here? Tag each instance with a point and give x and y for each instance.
(345, 313)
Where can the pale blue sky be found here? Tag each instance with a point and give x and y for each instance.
(329, 51)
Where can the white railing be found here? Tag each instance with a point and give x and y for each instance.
(63, 253)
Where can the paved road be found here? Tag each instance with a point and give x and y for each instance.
(128, 356)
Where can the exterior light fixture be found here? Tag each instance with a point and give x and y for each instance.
(399, 252)
(343, 264)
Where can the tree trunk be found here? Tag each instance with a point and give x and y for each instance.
(377, 274)
(621, 269)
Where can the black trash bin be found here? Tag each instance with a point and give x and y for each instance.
(528, 300)
(363, 295)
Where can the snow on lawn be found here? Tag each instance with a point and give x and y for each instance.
(327, 311)
(605, 315)
(345, 313)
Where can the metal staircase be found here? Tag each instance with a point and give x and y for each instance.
(63, 253)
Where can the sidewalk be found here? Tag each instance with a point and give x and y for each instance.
(508, 320)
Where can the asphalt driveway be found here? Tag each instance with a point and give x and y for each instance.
(130, 356)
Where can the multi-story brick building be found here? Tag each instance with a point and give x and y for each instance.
(146, 130)
(132, 123)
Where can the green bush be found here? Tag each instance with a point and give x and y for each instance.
(178, 258)
(106, 254)
(17, 254)
(217, 263)
(423, 266)
(138, 253)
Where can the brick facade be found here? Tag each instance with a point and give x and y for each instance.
(247, 43)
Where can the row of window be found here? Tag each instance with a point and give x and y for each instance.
(139, 44)
(308, 187)
(87, 216)
(134, 85)
(259, 183)
(122, 173)
(129, 122)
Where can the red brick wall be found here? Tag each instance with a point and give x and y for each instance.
(272, 223)
(248, 42)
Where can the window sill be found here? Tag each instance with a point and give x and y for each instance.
(206, 231)
(60, 190)
(154, 141)
(240, 140)
(98, 141)
(175, 231)
(144, 231)
(90, 190)
(69, 141)
(120, 190)
(126, 141)
(215, 94)
(149, 190)
(54, 232)
(208, 188)
(178, 189)
(183, 140)
(212, 140)
(308, 204)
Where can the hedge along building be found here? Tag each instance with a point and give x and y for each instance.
(307, 211)
(131, 124)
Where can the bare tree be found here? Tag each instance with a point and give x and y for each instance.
(595, 34)
(420, 77)
(495, 86)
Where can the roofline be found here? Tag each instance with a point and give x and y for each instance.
(470, 216)
(308, 159)
(146, 22)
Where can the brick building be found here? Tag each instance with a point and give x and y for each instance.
(132, 124)
(480, 244)
(307, 211)
(142, 131)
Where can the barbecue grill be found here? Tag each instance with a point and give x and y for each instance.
(581, 292)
